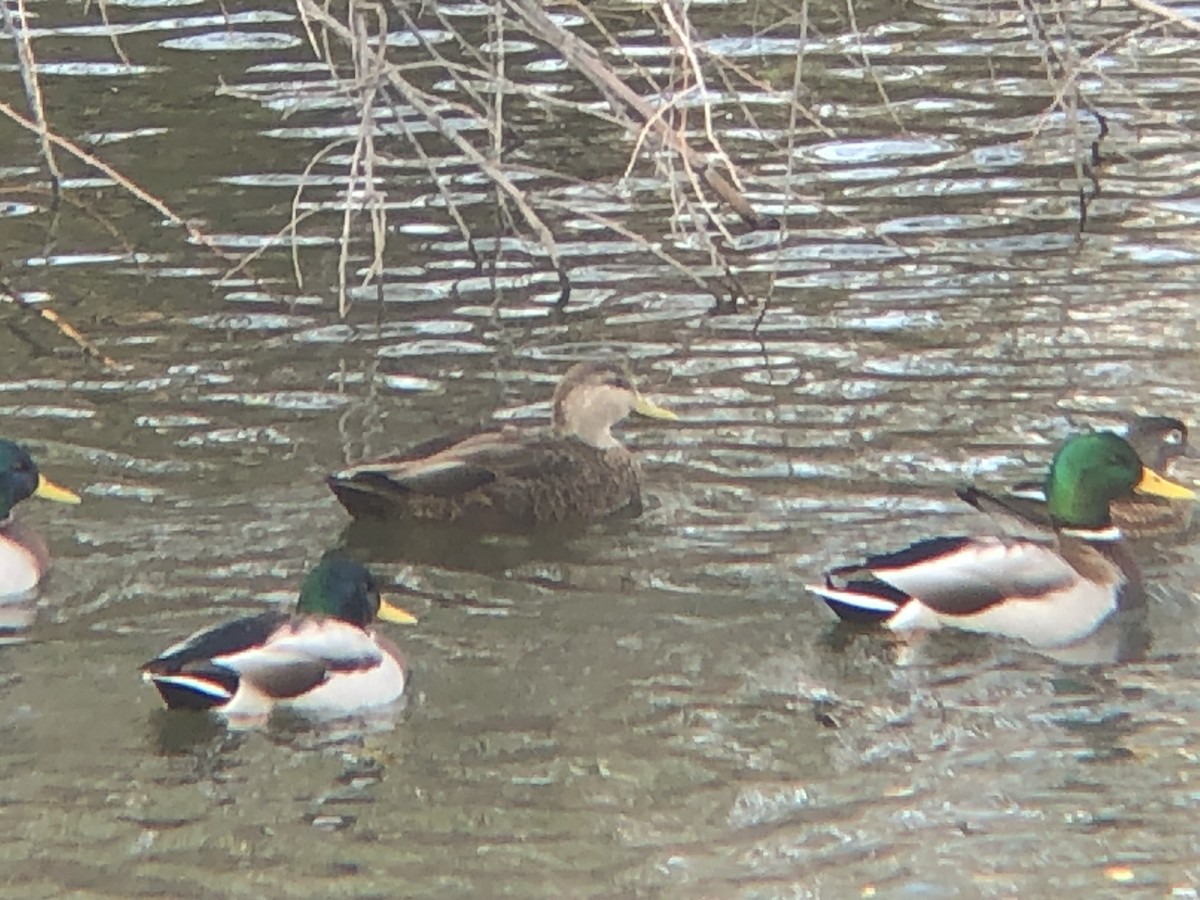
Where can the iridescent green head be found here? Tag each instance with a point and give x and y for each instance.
(1091, 470)
(344, 589)
(20, 480)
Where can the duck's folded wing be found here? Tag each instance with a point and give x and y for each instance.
(1022, 513)
(442, 478)
(467, 465)
(964, 576)
(221, 640)
(302, 654)
(276, 674)
(443, 442)
(441, 467)
(190, 674)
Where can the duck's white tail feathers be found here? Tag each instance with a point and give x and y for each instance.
(187, 691)
(865, 602)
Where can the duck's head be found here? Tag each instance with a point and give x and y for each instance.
(1091, 470)
(343, 589)
(592, 397)
(20, 480)
(1158, 439)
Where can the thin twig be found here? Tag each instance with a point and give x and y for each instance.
(27, 66)
(65, 328)
(140, 193)
(1167, 14)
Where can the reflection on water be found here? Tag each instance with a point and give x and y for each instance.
(649, 707)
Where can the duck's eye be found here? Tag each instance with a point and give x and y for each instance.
(621, 383)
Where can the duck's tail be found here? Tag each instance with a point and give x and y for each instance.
(862, 601)
(209, 689)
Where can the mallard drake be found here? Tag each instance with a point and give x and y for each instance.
(323, 659)
(1049, 592)
(23, 557)
(517, 478)
(1158, 440)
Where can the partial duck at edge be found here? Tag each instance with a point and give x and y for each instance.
(24, 560)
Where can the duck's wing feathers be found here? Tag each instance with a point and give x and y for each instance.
(441, 443)
(191, 674)
(964, 576)
(953, 576)
(1033, 491)
(218, 641)
(1022, 513)
(303, 653)
(278, 655)
(461, 466)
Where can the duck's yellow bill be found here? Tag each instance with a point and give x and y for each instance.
(389, 613)
(1153, 483)
(48, 490)
(647, 407)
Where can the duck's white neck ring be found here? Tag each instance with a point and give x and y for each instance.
(1111, 533)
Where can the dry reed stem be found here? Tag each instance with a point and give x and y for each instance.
(725, 64)
(499, 68)
(102, 5)
(681, 33)
(789, 172)
(428, 106)
(452, 209)
(588, 62)
(623, 231)
(367, 67)
(27, 66)
(701, 173)
(1167, 14)
(120, 180)
(870, 69)
(297, 217)
(79, 153)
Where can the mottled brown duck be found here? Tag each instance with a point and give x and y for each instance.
(514, 478)
(1159, 441)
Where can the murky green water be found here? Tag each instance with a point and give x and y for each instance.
(650, 709)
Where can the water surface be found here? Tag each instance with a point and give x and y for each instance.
(649, 709)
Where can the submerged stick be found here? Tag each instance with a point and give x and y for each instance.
(65, 328)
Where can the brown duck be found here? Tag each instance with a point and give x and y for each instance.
(516, 478)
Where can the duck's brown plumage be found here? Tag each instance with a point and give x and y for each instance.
(516, 478)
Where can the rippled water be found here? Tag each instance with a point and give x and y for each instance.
(649, 709)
